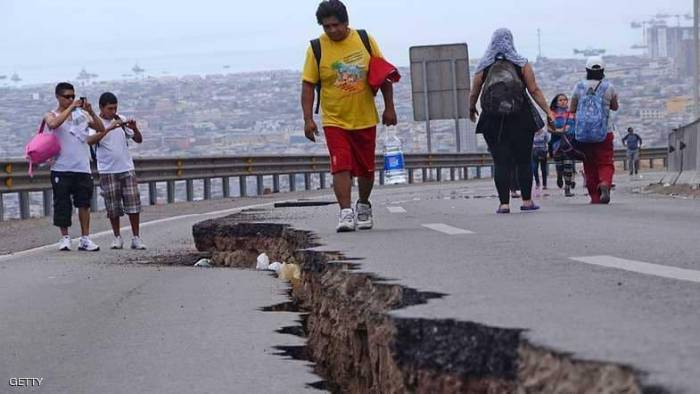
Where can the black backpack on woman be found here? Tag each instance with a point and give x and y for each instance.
(503, 91)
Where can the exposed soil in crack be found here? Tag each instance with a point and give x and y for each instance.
(357, 346)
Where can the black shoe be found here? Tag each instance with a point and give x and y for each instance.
(573, 185)
(560, 181)
(567, 191)
(604, 194)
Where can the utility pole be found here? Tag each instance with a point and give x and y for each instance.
(539, 43)
(696, 53)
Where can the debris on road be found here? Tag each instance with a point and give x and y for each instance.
(276, 266)
(203, 263)
(263, 262)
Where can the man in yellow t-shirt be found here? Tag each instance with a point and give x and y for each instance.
(348, 111)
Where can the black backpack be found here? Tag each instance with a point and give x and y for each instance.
(504, 91)
(316, 48)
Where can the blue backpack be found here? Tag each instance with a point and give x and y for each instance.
(591, 114)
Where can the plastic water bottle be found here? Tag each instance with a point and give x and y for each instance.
(394, 169)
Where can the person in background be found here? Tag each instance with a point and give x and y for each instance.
(633, 142)
(540, 143)
(598, 164)
(564, 123)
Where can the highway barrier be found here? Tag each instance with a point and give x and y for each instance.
(284, 170)
(684, 155)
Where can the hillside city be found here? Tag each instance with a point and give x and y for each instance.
(259, 113)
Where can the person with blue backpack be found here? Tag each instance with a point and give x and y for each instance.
(591, 102)
(509, 119)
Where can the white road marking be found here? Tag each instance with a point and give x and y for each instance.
(144, 224)
(663, 271)
(446, 229)
(396, 209)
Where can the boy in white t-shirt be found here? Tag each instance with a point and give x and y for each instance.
(118, 181)
(71, 176)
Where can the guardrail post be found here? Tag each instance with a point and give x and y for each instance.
(322, 179)
(424, 172)
(276, 183)
(207, 188)
(439, 174)
(171, 192)
(292, 182)
(226, 186)
(466, 173)
(410, 175)
(24, 212)
(452, 173)
(381, 177)
(493, 171)
(2, 208)
(260, 183)
(189, 189)
(48, 201)
(665, 162)
(625, 165)
(152, 193)
(478, 172)
(307, 181)
(651, 163)
(242, 185)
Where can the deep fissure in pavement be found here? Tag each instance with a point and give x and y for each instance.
(357, 346)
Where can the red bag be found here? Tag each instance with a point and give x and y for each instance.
(381, 71)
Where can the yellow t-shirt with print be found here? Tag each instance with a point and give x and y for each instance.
(346, 97)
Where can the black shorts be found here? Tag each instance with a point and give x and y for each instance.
(70, 189)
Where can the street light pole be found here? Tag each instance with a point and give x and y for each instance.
(696, 53)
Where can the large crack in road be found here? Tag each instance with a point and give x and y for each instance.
(359, 347)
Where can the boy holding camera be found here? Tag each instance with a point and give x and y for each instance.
(71, 177)
(118, 181)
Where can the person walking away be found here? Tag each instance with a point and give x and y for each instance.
(564, 123)
(592, 101)
(633, 142)
(71, 176)
(509, 119)
(348, 111)
(115, 165)
(539, 158)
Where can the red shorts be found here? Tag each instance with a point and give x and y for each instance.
(352, 150)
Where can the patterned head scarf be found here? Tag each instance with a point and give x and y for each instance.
(501, 42)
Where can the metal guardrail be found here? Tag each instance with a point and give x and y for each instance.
(14, 178)
(684, 155)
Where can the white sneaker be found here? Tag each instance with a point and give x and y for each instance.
(346, 221)
(64, 244)
(364, 216)
(137, 244)
(118, 243)
(86, 244)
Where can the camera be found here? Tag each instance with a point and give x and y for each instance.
(82, 101)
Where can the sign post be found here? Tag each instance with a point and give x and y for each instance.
(440, 85)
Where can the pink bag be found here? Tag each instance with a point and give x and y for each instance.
(41, 148)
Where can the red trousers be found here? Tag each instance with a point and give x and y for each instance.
(599, 165)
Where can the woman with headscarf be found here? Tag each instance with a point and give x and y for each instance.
(509, 119)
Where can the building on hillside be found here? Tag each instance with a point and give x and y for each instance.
(675, 42)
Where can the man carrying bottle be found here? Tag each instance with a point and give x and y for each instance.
(349, 113)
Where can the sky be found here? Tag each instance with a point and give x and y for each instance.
(50, 40)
